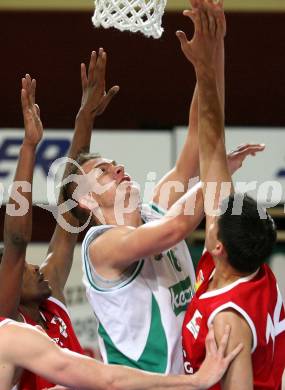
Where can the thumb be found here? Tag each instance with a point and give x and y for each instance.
(38, 109)
(182, 37)
(107, 98)
(111, 93)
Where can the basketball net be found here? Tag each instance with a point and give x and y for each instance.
(132, 15)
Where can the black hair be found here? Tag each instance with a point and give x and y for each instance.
(68, 189)
(1, 253)
(247, 238)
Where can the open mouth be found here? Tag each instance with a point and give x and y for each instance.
(125, 178)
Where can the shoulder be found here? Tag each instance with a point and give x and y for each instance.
(109, 244)
(10, 331)
(240, 328)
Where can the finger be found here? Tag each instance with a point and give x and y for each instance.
(182, 38)
(209, 8)
(101, 68)
(220, 29)
(230, 357)
(194, 3)
(24, 83)
(211, 344)
(91, 68)
(38, 111)
(258, 146)
(212, 23)
(24, 100)
(204, 21)
(108, 97)
(242, 147)
(224, 341)
(191, 14)
(28, 84)
(84, 81)
(251, 149)
(111, 93)
(29, 89)
(33, 91)
(220, 4)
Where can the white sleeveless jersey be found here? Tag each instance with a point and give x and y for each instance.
(140, 316)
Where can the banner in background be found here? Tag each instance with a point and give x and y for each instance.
(266, 171)
(147, 156)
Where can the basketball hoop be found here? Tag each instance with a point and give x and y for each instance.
(133, 15)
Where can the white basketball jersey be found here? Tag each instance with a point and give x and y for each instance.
(140, 316)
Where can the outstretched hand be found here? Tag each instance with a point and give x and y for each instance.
(216, 363)
(237, 156)
(94, 96)
(209, 31)
(31, 112)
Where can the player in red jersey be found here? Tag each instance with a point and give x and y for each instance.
(28, 293)
(25, 346)
(233, 284)
(257, 300)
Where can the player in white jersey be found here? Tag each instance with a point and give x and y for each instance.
(137, 286)
(140, 315)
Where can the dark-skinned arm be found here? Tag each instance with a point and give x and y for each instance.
(58, 262)
(18, 218)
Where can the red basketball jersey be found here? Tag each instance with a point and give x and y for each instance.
(258, 299)
(4, 320)
(59, 328)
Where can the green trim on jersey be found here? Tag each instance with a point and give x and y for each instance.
(154, 356)
(156, 208)
(123, 284)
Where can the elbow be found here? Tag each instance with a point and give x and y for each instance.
(181, 227)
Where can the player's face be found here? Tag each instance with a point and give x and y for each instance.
(108, 181)
(34, 287)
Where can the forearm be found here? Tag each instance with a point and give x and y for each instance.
(211, 122)
(187, 164)
(124, 378)
(81, 138)
(211, 125)
(82, 132)
(95, 375)
(220, 66)
(19, 228)
(180, 220)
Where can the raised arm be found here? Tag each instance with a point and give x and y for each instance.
(94, 101)
(187, 164)
(130, 244)
(202, 51)
(18, 218)
(24, 346)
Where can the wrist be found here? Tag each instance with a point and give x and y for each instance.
(205, 72)
(27, 144)
(194, 381)
(86, 114)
